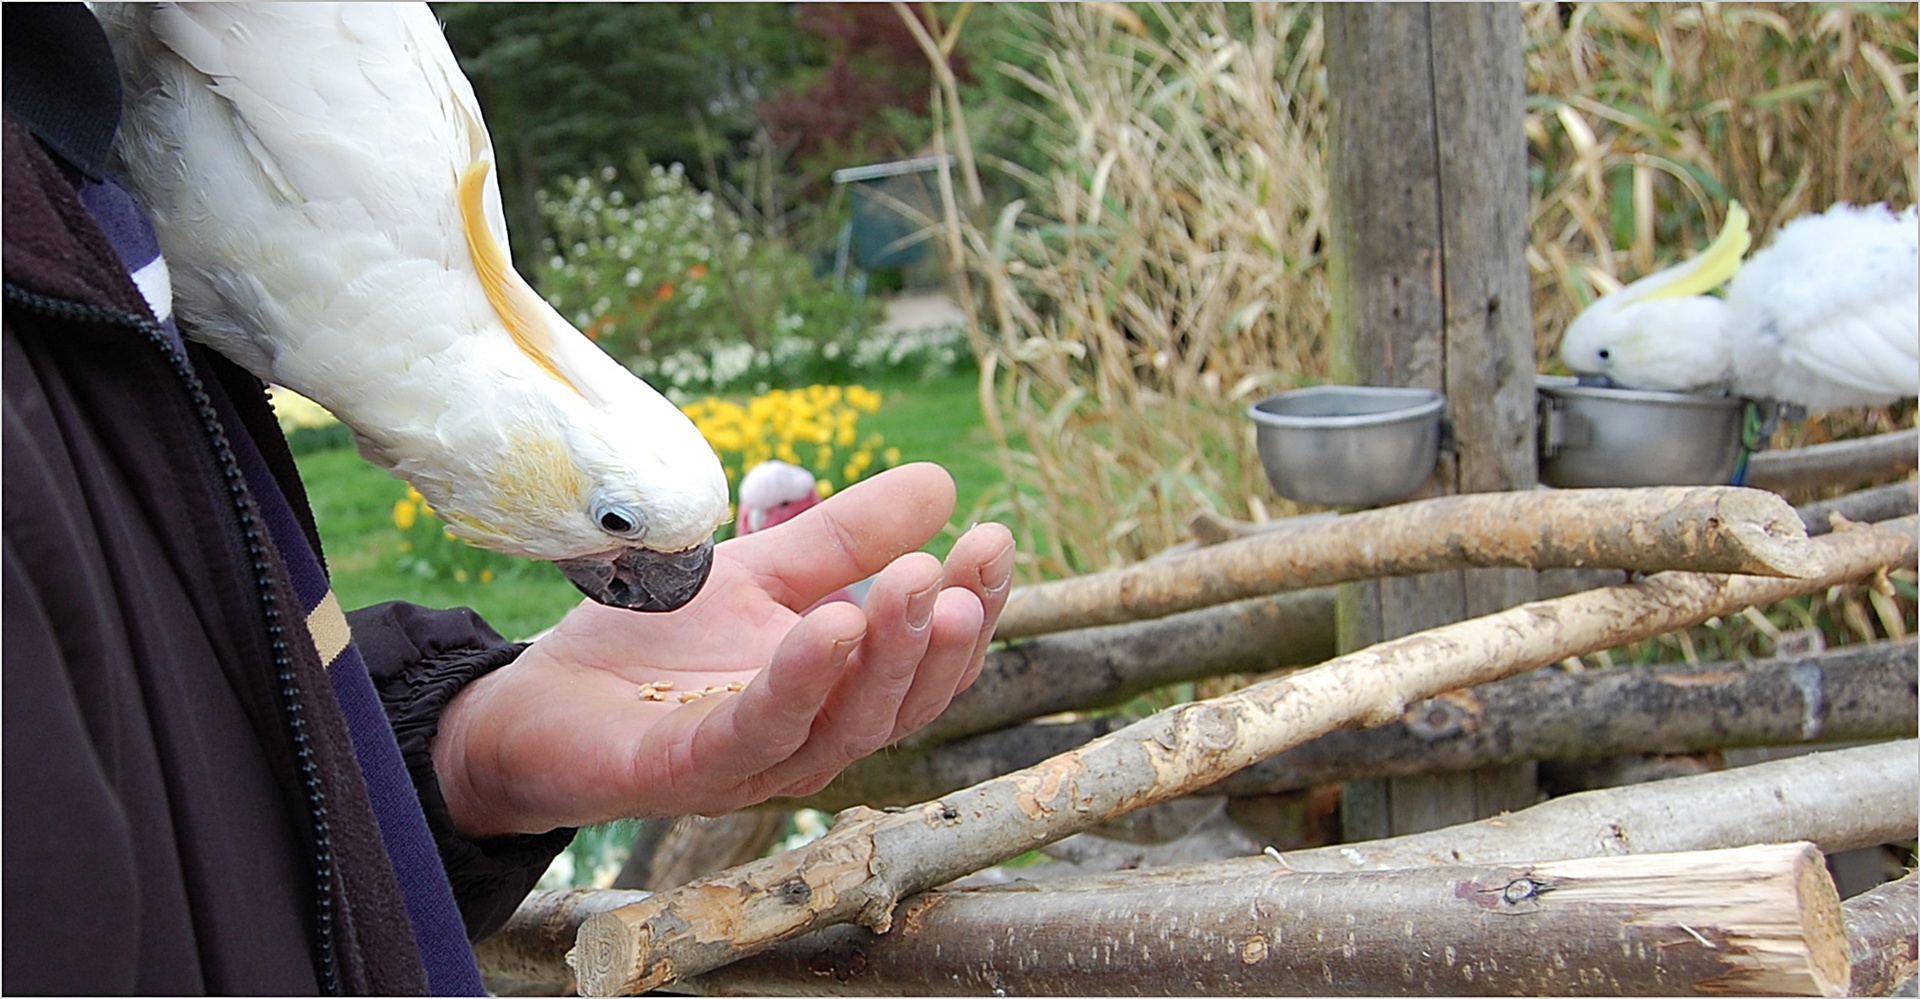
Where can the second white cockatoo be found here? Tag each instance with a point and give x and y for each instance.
(324, 190)
(1827, 315)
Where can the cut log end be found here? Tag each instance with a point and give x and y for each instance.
(1767, 918)
(603, 957)
(1823, 925)
(1775, 548)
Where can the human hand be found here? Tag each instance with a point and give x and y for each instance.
(566, 736)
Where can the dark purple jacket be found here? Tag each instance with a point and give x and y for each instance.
(184, 808)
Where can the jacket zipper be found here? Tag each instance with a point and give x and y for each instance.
(326, 955)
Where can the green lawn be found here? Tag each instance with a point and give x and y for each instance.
(932, 421)
(940, 421)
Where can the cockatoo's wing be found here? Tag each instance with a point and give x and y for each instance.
(318, 136)
(1829, 313)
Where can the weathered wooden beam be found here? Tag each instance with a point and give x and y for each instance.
(1856, 693)
(1095, 667)
(1876, 503)
(1752, 920)
(872, 859)
(1837, 800)
(1428, 210)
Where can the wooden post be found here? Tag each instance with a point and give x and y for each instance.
(1430, 290)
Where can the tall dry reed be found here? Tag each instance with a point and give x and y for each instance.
(1165, 271)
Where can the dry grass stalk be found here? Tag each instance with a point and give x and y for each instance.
(1163, 274)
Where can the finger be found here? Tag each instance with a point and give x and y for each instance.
(858, 716)
(743, 737)
(956, 631)
(907, 610)
(851, 535)
(982, 561)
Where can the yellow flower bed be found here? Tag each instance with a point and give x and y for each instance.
(816, 428)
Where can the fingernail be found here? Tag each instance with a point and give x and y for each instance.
(996, 574)
(920, 607)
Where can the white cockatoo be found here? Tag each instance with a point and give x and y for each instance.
(323, 189)
(1827, 315)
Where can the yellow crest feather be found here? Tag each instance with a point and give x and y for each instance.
(1712, 268)
(513, 299)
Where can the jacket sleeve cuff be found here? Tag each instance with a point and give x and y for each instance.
(420, 659)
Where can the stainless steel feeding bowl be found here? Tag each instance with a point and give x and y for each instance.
(1348, 445)
(1592, 436)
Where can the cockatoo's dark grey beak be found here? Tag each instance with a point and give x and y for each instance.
(640, 579)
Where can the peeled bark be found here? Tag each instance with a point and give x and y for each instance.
(872, 859)
(1841, 799)
(1878, 458)
(1094, 667)
(1699, 529)
(1752, 920)
(1883, 936)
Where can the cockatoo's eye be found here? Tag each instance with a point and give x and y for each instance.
(1605, 354)
(620, 521)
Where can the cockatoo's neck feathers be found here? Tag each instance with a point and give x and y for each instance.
(518, 305)
(1710, 269)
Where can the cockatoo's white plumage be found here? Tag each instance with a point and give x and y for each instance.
(1827, 315)
(322, 186)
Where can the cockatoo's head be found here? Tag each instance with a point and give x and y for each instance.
(1663, 331)
(621, 493)
(774, 492)
(553, 451)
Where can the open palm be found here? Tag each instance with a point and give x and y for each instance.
(572, 732)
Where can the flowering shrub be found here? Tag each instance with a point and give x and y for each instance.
(674, 270)
(674, 285)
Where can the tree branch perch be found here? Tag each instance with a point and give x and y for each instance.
(1699, 529)
(871, 859)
